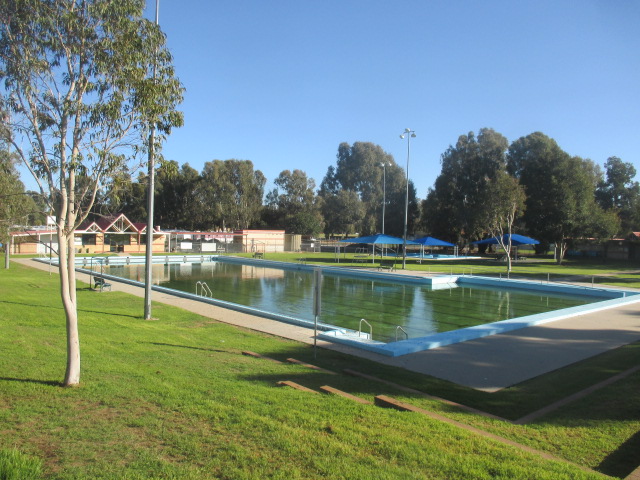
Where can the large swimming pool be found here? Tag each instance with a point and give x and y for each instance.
(394, 307)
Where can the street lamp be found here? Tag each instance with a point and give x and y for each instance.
(384, 189)
(148, 262)
(408, 133)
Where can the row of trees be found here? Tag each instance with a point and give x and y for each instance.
(486, 185)
(231, 194)
(556, 198)
(17, 207)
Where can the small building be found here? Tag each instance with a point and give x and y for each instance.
(109, 234)
(40, 240)
(263, 241)
(200, 242)
(627, 248)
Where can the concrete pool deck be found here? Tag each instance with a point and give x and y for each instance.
(488, 363)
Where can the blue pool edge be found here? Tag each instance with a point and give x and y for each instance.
(611, 298)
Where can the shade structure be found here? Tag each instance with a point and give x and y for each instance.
(433, 242)
(379, 239)
(515, 240)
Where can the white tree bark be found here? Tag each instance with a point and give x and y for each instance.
(66, 269)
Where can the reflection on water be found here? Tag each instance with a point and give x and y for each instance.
(420, 310)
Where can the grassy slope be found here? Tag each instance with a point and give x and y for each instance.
(175, 399)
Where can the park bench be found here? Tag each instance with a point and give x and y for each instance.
(101, 283)
(360, 258)
(387, 265)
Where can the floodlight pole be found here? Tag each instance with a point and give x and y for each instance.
(409, 134)
(384, 191)
(148, 263)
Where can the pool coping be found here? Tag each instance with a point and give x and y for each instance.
(613, 298)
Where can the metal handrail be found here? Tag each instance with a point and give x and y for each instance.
(205, 291)
(360, 329)
(403, 331)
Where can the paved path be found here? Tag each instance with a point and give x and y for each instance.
(489, 363)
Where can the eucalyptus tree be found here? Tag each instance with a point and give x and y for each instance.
(294, 203)
(15, 204)
(452, 205)
(177, 205)
(343, 211)
(231, 193)
(359, 168)
(560, 204)
(78, 100)
(620, 191)
(505, 203)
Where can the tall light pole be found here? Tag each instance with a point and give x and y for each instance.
(408, 133)
(148, 263)
(384, 190)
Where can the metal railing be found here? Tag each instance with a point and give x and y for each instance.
(399, 328)
(360, 329)
(205, 291)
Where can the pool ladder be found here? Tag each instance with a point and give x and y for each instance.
(205, 291)
(360, 329)
(400, 329)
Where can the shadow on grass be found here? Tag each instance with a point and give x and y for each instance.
(624, 460)
(512, 403)
(99, 312)
(50, 383)
(31, 304)
(138, 317)
(188, 347)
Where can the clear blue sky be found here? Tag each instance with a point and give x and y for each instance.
(283, 82)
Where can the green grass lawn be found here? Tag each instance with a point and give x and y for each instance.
(175, 399)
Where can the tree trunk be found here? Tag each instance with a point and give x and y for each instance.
(7, 252)
(67, 292)
(561, 249)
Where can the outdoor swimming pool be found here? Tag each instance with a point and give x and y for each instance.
(418, 312)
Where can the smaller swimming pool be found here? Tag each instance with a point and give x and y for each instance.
(434, 256)
(402, 314)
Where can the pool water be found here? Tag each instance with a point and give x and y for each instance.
(419, 309)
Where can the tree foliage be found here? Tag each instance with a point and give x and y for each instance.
(343, 212)
(294, 204)
(176, 204)
(15, 204)
(231, 193)
(451, 209)
(560, 192)
(78, 101)
(621, 193)
(505, 202)
(359, 169)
